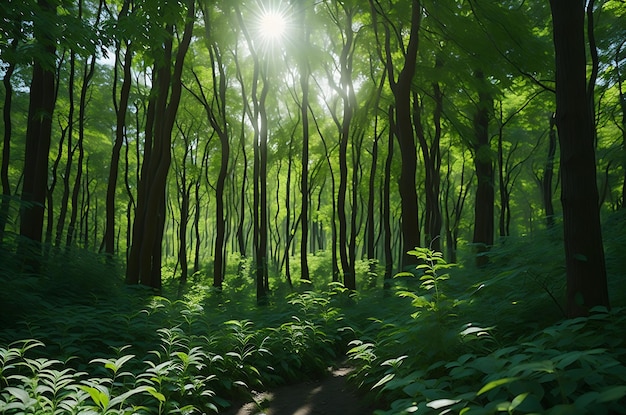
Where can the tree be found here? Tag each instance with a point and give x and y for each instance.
(401, 87)
(584, 253)
(144, 262)
(483, 162)
(303, 66)
(38, 134)
(121, 106)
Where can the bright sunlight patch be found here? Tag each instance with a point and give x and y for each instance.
(272, 22)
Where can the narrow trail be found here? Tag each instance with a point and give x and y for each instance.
(327, 396)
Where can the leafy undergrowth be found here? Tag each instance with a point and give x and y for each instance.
(438, 360)
(442, 339)
(127, 351)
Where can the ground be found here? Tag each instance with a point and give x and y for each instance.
(327, 396)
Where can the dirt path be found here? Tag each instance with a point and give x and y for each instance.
(328, 396)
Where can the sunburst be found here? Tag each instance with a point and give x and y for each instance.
(272, 25)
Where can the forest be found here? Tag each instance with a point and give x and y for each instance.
(207, 200)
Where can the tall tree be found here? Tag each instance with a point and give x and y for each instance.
(215, 107)
(121, 105)
(483, 163)
(144, 262)
(6, 141)
(38, 134)
(401, 87)
(584, 253)
(303, 67)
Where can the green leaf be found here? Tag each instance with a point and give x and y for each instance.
(442, 403)
(152, 391)
(517, 401)
(612, 394)
(494, 384)
(568, 358)
(99, 397)
(20, 394)
(384, 380)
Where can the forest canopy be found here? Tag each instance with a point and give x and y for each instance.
(208, 132)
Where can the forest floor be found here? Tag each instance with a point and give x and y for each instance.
(330, 395)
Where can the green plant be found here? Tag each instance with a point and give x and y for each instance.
(432, 263)
(572, 367)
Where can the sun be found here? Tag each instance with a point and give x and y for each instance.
(272, 25)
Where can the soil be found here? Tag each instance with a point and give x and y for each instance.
(327, 396)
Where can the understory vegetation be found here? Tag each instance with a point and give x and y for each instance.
(442, 339)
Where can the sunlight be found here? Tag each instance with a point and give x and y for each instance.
(272, 25)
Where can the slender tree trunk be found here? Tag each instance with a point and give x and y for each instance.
(387, 242)
(288, 231)
(546, 182)
(584, 253)
(401, 89)
(120, 111)
(6, 145)
(350, 279)
(262, 251)
(371, 195)
(65, 197)
(304, 180)
(196, 227)
(622, 128)
(87, 75)
(432, 166)
(182, 232)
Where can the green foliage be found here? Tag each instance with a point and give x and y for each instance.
(431, 280)
(122, 350)
(445, 338)
(440, 359)
(572, 367)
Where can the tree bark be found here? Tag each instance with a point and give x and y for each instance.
(584, 253)
(6, 145)
(401, 89)
(38, 133)
(304, 179)
(388, 238)
(548, 175)
(144, 263)
(120, 111)
(87, 75)
(483, 163)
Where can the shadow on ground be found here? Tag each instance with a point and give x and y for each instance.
(328, 396)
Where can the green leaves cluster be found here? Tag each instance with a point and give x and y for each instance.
(177, 357)
(438, 360)
(573, 367)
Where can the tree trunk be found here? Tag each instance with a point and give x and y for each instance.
(87, 75)
(401, 89)
(144, 263)
(432, 166)
(38, 132)
(120, 110)
(483, 163)
(6, 145)
(548, 175)
(65, 197)
(387, 242)
(304, 180)
(584, 253)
